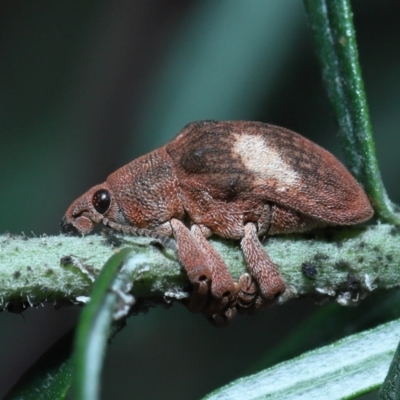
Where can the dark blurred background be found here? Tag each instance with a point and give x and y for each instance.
(85, 87)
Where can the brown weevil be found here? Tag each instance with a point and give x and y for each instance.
(236, 179)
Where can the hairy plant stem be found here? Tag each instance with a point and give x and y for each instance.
(342, 264)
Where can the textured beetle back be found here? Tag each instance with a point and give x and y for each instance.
(238, 159)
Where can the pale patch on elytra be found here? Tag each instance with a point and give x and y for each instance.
(263, 160)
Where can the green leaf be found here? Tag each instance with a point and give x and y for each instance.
(94, 329)
(50, 377)
(343, 370)
(331, 22)
(390, 389)
(331, 323)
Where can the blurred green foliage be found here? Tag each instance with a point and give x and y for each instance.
(87, 86)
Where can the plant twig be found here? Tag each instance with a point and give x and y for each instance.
(332, 24)
(341, 264)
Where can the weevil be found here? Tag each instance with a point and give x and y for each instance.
(237, 179)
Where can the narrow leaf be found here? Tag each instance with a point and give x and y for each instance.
(331, 22)
(390, 389)
(94, 327)
(343, 370)
(50, 377)
(331, 323)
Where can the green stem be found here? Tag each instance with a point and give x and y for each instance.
(332, 26)
(334, 263)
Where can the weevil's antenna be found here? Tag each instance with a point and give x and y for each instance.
(166, 241)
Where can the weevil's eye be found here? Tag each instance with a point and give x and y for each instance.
(101, 201)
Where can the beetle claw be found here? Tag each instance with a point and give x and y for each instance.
(247, 291)
(223, 319)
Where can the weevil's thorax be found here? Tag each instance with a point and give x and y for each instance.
(147, 190)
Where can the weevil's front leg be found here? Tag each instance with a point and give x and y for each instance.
(261, 268)
(214, 291)
(193, 259)
(223, 289)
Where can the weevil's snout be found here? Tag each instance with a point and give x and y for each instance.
(80, 225)
(77, 220)
(67, 227)
(86, 211)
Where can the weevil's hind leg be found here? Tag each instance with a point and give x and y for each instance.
(262, 269)
(214, 291)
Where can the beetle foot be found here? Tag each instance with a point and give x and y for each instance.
(247, 291)
(216, 299)
(218, 309)
(223, 319)
(250, 298)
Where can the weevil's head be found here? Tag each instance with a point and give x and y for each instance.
(96, 206)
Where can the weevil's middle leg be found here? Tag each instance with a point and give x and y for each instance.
(262, 269)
